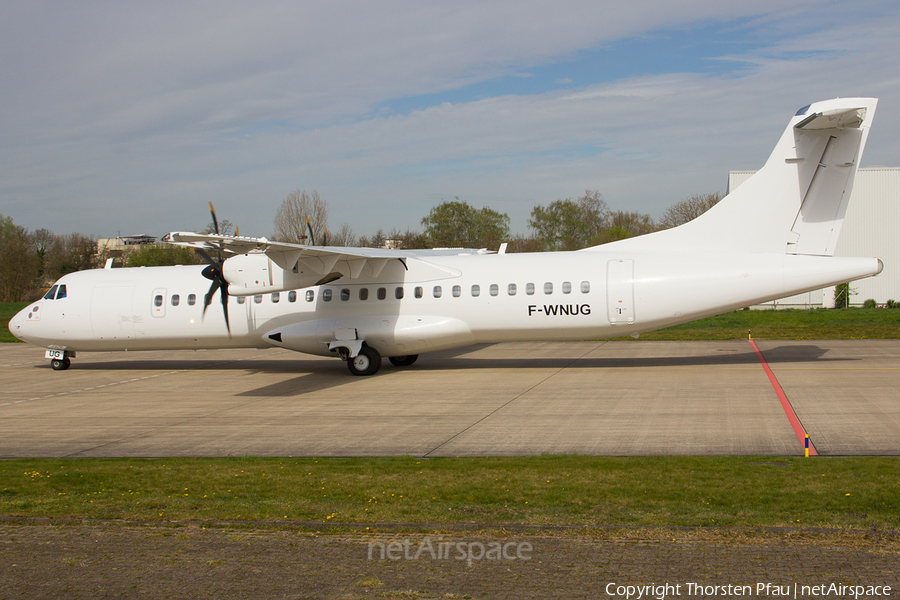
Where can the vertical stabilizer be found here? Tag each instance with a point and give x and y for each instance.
(796, 203)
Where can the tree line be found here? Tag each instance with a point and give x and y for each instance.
(566, 224)
(30, 261)
(30, 258)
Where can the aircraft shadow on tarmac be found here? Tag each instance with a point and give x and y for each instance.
(317, 375)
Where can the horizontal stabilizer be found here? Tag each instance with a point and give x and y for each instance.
(840, 118)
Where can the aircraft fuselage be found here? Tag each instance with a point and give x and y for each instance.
(425, 306)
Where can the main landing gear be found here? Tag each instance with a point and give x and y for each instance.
(403, 361)
(368, 361)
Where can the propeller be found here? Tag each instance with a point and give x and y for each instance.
(214, 273)
(311, 238)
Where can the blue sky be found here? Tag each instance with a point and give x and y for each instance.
(130, 118)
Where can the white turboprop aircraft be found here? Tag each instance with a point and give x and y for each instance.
(772, 237)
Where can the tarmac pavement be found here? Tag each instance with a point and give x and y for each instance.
(601, 398)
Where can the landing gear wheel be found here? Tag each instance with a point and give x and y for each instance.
(367, 362)
(403, 361)
(60, 364)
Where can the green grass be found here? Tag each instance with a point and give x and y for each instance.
(859, 493)
(791, 324)
(7, 312)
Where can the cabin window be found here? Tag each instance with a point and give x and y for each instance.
(257, 299)
(51, 293)
(548, 288)
(495, 289)
(381, 293)
(398, 293)
(310, 295)
(61, 292)
(437, 291)
(192, 299)
(176, 299)
(345, 295)
(529, 289)
(476, 290)
(363, 293)
(419, 292)
(567, 287)
(158, 301)
(326, 295)
(241, 299)
(457, 291)
(585, 287)
(511, 289)
(292, 296)
(276, 297)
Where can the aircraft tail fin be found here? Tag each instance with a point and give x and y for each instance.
(796, 203)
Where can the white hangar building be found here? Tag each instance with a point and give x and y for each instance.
(871, 228)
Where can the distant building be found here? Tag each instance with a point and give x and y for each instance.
(870, 229)
(117, 248)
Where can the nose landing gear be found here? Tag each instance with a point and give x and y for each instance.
(59, 359)
(60, 364)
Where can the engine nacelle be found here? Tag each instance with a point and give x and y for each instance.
(256, 273)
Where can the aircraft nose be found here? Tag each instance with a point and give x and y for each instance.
(17, 323)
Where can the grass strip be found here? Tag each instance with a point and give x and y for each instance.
(859, 492)
(791, 324)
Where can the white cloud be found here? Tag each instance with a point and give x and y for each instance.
(131, 117)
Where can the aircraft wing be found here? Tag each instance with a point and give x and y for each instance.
(286, 255)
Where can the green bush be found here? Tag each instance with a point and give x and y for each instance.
(842, 295)
(870, 303)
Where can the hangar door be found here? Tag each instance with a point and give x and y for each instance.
(620, 291)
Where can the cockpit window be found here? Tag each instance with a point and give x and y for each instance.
(51, 293)
(61, 292)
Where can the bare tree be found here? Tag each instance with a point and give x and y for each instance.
(226, 227)
(688, 209)
(373, 241)
(344, 237)
(290, 220)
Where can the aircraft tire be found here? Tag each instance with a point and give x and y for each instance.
(367, 362)
(60, 364)
(403, 361)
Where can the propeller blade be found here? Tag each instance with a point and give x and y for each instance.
(325, 237)
(203, 253)
(215, 221)
(223, 292)
(207, 300)
(312, 240)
